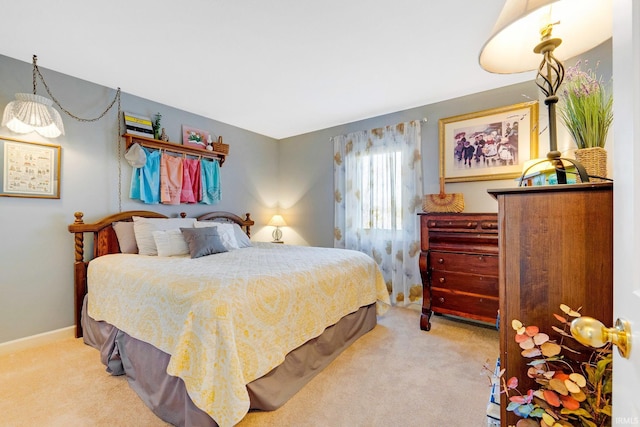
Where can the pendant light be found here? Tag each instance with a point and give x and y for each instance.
(31, 112)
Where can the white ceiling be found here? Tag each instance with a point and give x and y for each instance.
(278, 68)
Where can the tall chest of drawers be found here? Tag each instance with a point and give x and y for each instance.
(556, 247)
(459, 266)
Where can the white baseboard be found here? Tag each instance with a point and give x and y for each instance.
(37, 340)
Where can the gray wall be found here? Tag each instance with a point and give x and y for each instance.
(36, 250)
(306, 161)
(261, 176)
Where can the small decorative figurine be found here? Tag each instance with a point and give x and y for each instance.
(209, 143)
(163, 136)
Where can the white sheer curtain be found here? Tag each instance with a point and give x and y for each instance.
(378, 193)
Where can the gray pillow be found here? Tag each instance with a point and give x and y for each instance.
(126, 237)
(241, 237)
(203, 241)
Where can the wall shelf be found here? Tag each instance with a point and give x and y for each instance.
(173, 147)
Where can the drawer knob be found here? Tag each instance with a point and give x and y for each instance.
(441, 280)
(441, 299)
(440, 261)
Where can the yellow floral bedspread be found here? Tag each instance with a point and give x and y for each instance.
(229, 318)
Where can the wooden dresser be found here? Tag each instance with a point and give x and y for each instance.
(459, 266)
(556, 247)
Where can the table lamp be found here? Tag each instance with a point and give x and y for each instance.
(527, 29)
(277, 221)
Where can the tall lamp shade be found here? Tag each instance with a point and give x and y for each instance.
(277, 221)
(580, 25)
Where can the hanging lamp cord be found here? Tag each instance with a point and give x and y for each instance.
(36, 71)
(119, 153)
(116, 98)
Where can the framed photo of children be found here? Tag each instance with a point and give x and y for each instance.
(490, 144)
(29, 169)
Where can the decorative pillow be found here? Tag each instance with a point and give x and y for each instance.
(241, 237)
(144, 227)
(225, 230)
(203, 241)
(170, 242)
(126, 237)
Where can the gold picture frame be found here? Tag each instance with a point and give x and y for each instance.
(29, 169)
(502, 139)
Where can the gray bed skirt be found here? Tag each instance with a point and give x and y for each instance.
(145, 367)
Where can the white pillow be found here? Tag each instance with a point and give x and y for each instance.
(144, 227)
(241, 237)
(170, 242)
(225, 231)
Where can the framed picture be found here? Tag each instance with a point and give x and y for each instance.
(29, 169)
(194, 138)
(490, 144)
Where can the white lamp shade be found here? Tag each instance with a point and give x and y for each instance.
(31, 112)
(582, 25)
(277, 221)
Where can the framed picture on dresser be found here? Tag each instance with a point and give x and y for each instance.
(489, 144)
(29, 169)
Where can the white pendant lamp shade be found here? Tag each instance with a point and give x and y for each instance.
(31, 112)
(580, 24)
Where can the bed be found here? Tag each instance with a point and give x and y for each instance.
(204, 339)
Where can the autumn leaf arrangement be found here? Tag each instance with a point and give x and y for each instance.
(573, 386)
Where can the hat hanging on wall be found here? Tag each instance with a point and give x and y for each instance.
(136, 156)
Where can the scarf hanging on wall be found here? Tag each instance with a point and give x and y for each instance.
(145, 181)
(210, 182)
(191, 181)
(170, 179)
(174, 180)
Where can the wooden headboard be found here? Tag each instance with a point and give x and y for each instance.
(105, 242)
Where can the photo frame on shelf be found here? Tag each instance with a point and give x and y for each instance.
(490, 144)
(29, 169)
(194, 138)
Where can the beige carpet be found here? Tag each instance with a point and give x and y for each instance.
(396, 375)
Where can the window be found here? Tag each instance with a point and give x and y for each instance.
(381, 191)
(378, 191)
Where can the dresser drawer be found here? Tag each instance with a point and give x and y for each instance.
(471, 283)
(486, 265)
(450, 302)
